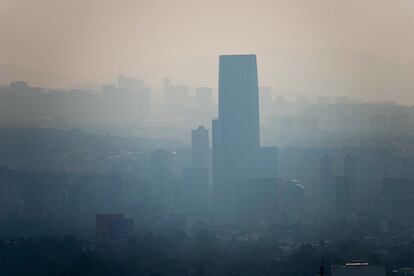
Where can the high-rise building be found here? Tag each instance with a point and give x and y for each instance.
(196, 179)
(200, 148)
(266, 163)
(236, 133)
(239, 103)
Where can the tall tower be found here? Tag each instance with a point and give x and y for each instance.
(239, 101)
(236, 137)
(200, 148)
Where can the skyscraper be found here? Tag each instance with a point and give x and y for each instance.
(196, 179)
(200, 148)
(236, 137)
(239, 102)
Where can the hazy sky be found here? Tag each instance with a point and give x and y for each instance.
(64, 42)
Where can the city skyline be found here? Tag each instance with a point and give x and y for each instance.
(362, 49)
(222, 137)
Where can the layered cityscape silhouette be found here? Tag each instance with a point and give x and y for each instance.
(292, 160)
